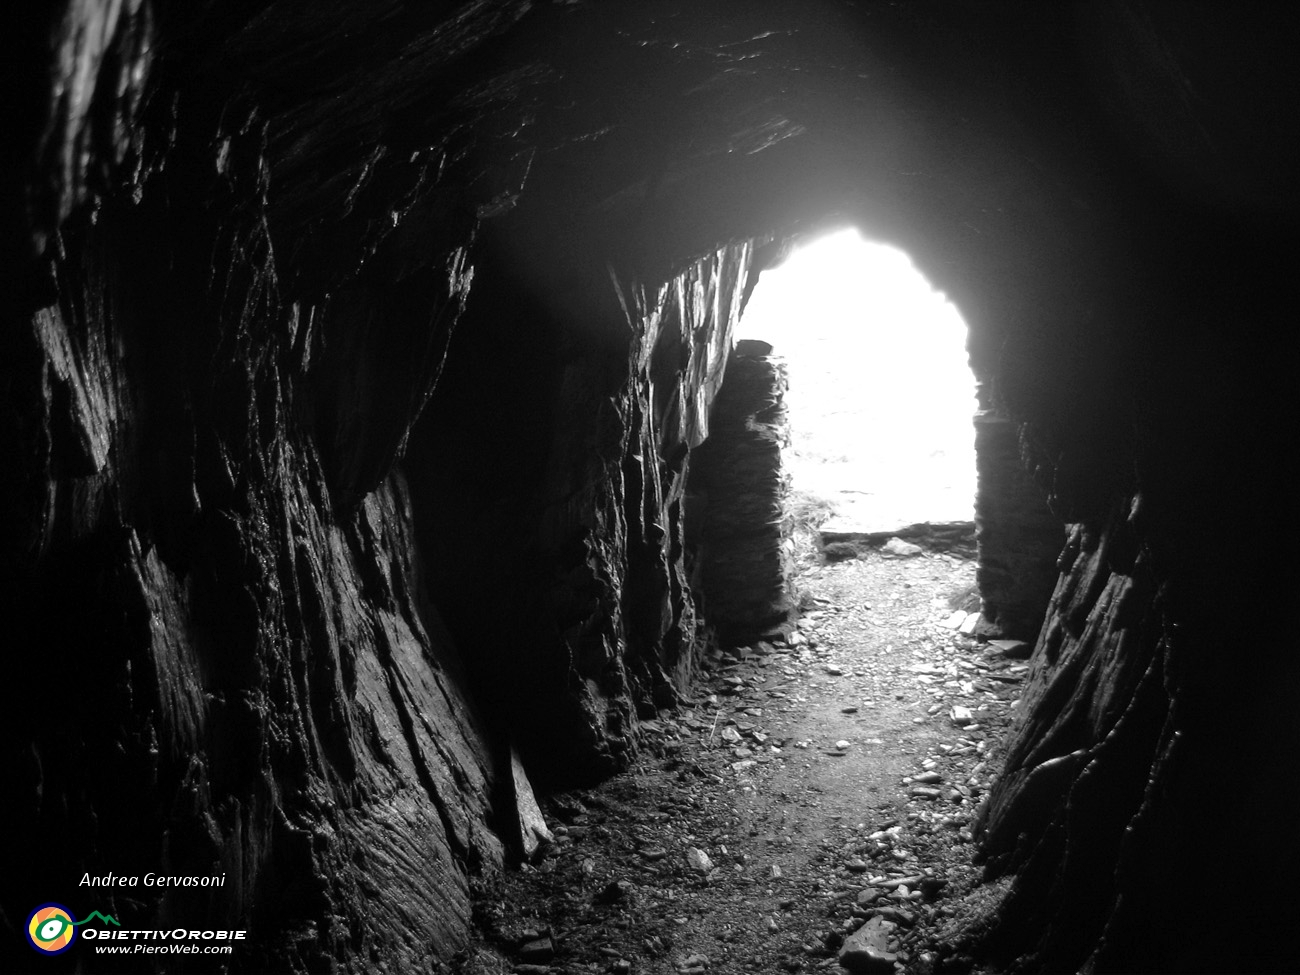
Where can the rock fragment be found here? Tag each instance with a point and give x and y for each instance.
(866, 950)
(698, 861)
(1016, 649)
(900, 549)
(531, 826)
(538, 951)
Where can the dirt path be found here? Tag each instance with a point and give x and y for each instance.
(816, 783)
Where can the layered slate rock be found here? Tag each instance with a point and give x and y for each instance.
(736, 527)
(1018, 537)
(556, 510)
(250, 550)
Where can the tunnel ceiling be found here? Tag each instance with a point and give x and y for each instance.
(360, 345)
(991, 141)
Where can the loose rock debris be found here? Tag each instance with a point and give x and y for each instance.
(810, 810)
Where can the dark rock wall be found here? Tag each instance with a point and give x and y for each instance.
(552, 467)
(1017, 535)
(1089, 728)
(215, 670)
(352, 348)
(736, 526)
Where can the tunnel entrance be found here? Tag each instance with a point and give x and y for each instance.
(813, 798)
(814, 794)
(880, 395)
(844, 425)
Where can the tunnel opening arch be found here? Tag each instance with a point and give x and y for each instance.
(1146, 386)
(862, 421)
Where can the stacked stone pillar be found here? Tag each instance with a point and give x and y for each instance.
(1018, 537)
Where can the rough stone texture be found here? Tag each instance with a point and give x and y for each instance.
(1017, 535)
(565, 536)
(260, 252)
(866, 949)
(736, 530)
(1088, 728)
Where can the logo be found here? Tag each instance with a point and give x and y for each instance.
(51, 929)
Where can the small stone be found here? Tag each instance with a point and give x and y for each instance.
(897, 882)
(899, 548)
(1016, 649)
(849, 710)
(962, 715)
(694, 962)
(838, 551)
(842, 744)
(621, 967)
(898, 915)
(653, 853)
(698, 861)
(537, 951)
(928, 778)
(774, 872)
(865, 949)
(614, 892)
(932, 887)
(968, 625)
(835, 670)
(955, 620)
(856, 866)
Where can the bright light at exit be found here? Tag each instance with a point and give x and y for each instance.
(881, 395)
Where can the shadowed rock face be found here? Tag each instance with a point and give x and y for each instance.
(737, 536)
(354, 353)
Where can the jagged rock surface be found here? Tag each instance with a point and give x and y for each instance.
(1018, 537)
(247, 244)
(735, 502)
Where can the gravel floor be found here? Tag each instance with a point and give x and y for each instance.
(814, 784)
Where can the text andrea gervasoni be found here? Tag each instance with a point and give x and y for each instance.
(151, 880)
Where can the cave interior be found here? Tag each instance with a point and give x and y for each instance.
(356, 356)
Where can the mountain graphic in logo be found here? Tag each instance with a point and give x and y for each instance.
(52, 931)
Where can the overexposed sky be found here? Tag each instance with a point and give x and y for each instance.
(881, 395)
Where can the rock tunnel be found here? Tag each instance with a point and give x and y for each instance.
(355, 355)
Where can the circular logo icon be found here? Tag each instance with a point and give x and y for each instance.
(50, 929)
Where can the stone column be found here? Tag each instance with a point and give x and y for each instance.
(1018, 537)
(740, 567)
